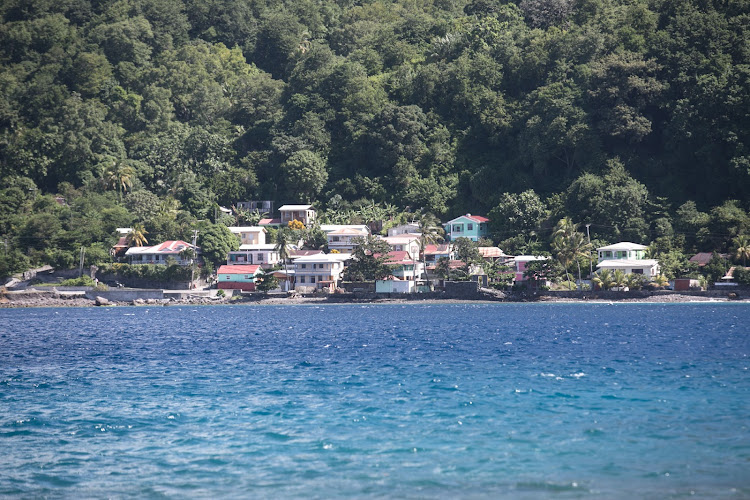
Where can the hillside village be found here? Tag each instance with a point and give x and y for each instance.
(277, 253)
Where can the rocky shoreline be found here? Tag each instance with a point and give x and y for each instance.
(45, 299)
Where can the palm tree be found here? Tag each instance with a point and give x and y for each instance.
(742, 248)
(431, 233)
(619, 278)
(570, 245)
(137, 235)
(119, 176)
(660, 280)
(284, 238)
(604, 279)
(634, 281)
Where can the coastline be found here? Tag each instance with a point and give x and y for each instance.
(45, 299)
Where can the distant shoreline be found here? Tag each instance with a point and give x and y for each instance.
(41, 299)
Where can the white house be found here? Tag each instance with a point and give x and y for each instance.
(265, 255)
(303, 213)
(344, 239)
(321, 270)
(250, 235)
(629, 258)
(404, 243)
(410, 228)
(328, 228)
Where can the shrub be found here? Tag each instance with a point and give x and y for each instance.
(84, 280)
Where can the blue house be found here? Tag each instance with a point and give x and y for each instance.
(469, 226)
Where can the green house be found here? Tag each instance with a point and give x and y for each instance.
(469, 226)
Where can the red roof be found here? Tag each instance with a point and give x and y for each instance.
(436, 249)
(704, 258)
(477, 218)
(397, 257)
(122, 242)
(268, 222)
(238, 269)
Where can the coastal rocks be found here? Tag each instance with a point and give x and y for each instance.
(101, 301)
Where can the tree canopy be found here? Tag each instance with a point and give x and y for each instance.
(629, 116)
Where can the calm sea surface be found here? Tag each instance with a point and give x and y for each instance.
(404, 401)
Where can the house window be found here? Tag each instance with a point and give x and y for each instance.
(637, 271)
(312, 279)
(457, 228)
(304, 266)
(334, 238)
(469, 227)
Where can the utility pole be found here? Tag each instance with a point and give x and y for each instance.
(591, 264)
(80, 267)
(195, 254)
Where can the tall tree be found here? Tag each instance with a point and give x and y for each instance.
(431, 232)
(742, 248)
(570, 245)
(137, 235)
(284, 239)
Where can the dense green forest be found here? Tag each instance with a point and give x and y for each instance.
(630, 115)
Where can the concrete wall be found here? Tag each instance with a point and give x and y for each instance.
(461, 290)
(358, 286)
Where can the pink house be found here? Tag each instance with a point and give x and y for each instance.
(520, 264)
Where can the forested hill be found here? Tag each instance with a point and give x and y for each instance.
(616, 112)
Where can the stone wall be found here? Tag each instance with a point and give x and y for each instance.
(358, 286)
(466, 290)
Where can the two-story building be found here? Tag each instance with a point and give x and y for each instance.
(319, 271)
(520, 263)
(628, 257)
(433, 253)
(469, 226)
(250, 235)
(303, 213)
(262, 206)
(345, 239)
(404, 243)
(264, 255)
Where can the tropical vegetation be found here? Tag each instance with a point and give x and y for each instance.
(627, 116)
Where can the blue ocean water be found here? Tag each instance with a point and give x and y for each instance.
(377, 401)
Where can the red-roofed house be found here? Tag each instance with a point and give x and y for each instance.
(403, 266)
(433, 253)
(469, 226)
(158, 254)
(238, 277)
(270, 223)
(703, 258)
